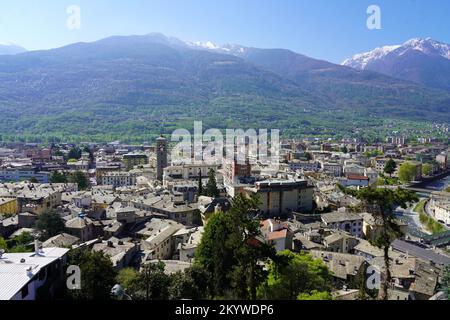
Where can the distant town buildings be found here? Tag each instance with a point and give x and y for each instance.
(138, 206)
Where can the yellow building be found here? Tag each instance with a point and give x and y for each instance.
(8, 206)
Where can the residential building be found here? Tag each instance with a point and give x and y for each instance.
(81, 227)
(132, 159)
(23, 274)
(283, 197)
(340, 242)
(118, 179)
(120, 253)
(347, 269)
(333, 168)
(187, 249)
(345, 221)
(278, 234)
(23, 174)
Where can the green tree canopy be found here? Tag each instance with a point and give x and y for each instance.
(390, 167)
(152, 283)
(97, 275)
(49, 223)
(191, 284)
(74, 153)
(381, 203)
(295, 275)
(214, 255)
(446, 281)
(34, 180)
(315, 296)
(58, 177)
(407, 172)
(211, 189)
(231, 253)
(3, 244)
(79, 178)
(427, 169)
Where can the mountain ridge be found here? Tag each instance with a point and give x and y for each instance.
(127, 85)
(421, 60)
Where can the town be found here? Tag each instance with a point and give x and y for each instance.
(131, 205)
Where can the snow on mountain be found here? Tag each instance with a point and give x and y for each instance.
(233, 49)
(427, 46)
(360, 61)
(424, 61)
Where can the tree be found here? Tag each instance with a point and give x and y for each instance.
(50, 224)
(295, 275)
(58, 177)
(308, 156)
(213, 254)
(34, 180)
(344, 149)
(127, 278)
(23, 239)
(381, 203)
(446, 281)
(315, 296)
(152, 282)
(211, 186)
(390, 167)
(74, 153)
(3, 244)
(407, 172)
(200, 183)
(248, 273)
(97, 275)
(231, 253)
(79, 178)
(191, 284)
(427, 169)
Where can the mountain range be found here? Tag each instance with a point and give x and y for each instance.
(9, 48)
(423, 61)
(133, 86)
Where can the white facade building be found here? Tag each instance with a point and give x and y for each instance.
(22, 274)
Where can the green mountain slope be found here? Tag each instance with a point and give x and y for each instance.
(134, 87)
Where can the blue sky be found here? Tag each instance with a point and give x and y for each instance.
(326, 29)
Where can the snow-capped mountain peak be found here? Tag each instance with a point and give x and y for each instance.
(360, 61)
(421, 60)
(205, 44)
(233, 49)
(427, 46)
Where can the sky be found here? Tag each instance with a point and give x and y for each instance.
(332, 30)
